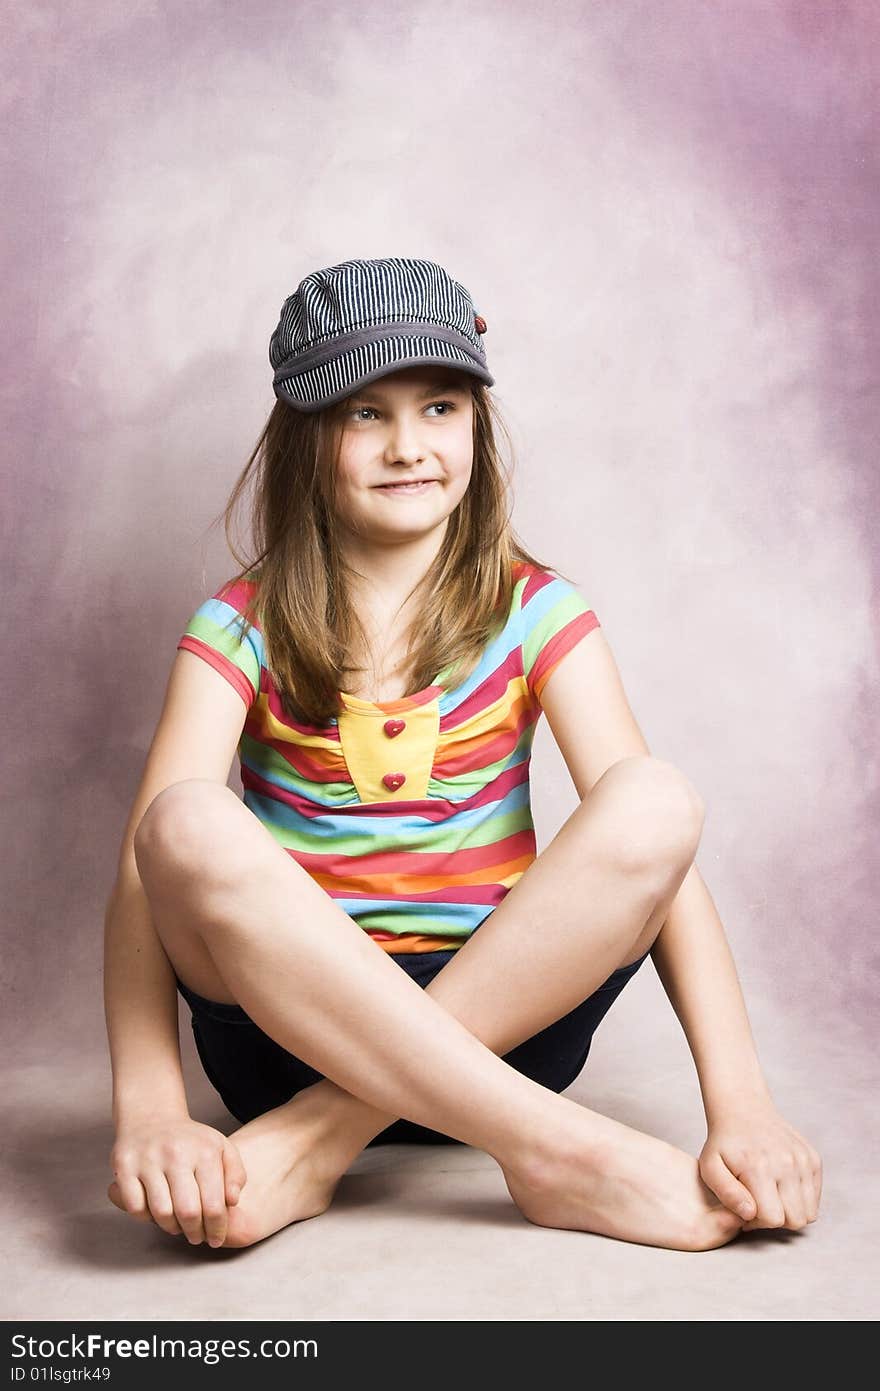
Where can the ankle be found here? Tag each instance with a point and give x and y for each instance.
(575, 1138)
(346, 1122)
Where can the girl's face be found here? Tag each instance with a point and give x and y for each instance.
(415, 424)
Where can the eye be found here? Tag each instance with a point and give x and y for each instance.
(356, 412)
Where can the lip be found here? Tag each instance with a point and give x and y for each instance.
(412, 485)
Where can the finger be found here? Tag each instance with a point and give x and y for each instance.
(726, 1186)
(235, 1174)
(159, 1199)
(210, 1178)
(810, 1184)
(187, 1204)
(770, 1212)
(127, 1192)
(114, 1193)
(141, 1215)
(817, 1180)
(811, 1207)
(791, 1194)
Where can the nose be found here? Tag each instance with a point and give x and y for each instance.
(403, 441)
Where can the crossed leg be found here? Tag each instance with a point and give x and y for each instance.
(309, 977)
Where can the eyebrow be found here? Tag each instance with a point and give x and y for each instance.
(436, 388)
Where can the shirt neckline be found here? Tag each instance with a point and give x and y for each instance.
(358, 706)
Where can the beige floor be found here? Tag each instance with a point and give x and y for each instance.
(430, 1232)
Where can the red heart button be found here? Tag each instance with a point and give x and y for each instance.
(394, 780)
(393, 727)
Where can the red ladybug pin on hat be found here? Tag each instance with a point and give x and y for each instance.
(479, 323)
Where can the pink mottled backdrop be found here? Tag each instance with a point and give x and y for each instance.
(668, 216)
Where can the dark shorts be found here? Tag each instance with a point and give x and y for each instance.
(252, 1073)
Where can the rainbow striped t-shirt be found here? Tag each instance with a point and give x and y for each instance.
(414, 814)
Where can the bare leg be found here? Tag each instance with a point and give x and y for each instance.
(505, 986)
(593, 900)
(312, 980)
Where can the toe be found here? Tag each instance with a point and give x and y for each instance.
(714, 1228)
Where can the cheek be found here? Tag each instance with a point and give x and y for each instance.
(460, 477)
(350, 479)
(353, 454)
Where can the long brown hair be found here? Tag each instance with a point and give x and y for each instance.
(302, 602)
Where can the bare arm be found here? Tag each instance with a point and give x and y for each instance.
(752, 1155)
(140, 1007)
(167, 1166)
(593, 724)
(697, 971)
(196, 737)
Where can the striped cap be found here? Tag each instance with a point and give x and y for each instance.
(346, 325)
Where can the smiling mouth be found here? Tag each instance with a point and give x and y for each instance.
(417, 486)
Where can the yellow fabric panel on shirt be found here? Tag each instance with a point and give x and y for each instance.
(369, 752)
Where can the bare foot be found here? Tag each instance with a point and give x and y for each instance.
(293, 1169)
(294, 1158)
(623, 1183)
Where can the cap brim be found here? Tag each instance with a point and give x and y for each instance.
(333, 381)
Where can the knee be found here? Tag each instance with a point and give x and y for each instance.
(183, 824)
(661, 813)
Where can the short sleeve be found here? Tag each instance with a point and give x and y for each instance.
(555, 616)
(214, 633)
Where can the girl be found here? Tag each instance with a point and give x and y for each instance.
(370, 946)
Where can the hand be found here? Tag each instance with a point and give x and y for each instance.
(178, 1173)
(761, 1168)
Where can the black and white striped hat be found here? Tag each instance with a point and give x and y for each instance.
(346, 325)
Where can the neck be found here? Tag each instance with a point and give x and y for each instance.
(384, 576)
